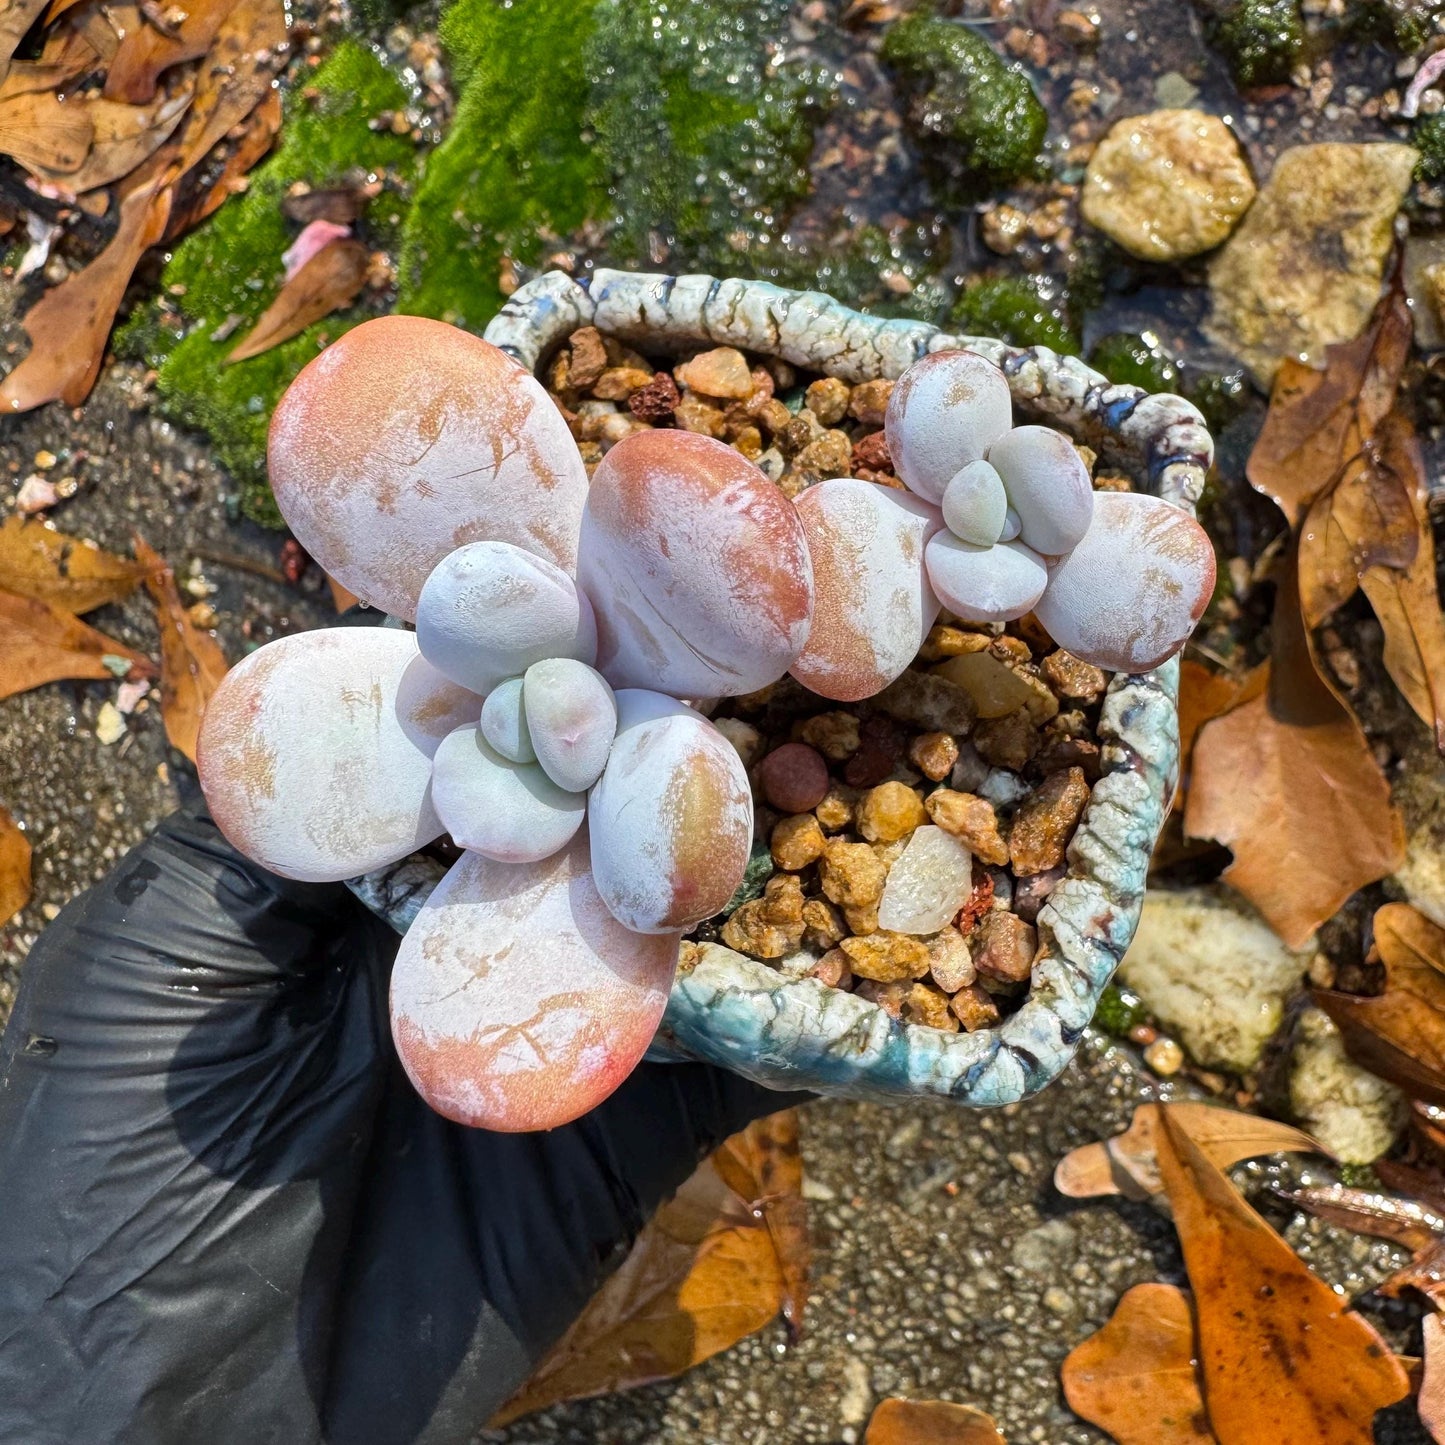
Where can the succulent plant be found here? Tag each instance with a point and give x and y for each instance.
(1002, 520)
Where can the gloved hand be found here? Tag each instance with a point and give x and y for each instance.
(226, 1217)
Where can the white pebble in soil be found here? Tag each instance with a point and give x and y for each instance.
(928, 884)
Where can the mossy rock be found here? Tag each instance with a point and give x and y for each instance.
(975, 116)
(231, 267)
(1260, 40)
(1022, 310)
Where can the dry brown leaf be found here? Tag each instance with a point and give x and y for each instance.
(192, 663)
(330, 280)
(702, 1275)
(1432, 1383)
(196, 200)
(1408, 602)
(16, 17)
(1126, 1164)
(930, 1422)
(124, 136)
(1282, 1360)
(1138, 1377)
(1203, 694)
(1366, 1211)
(146, 51)
(1400, 1034)
(764, 1166)
(75, 575)
(67, 56)
(44, 133)
(40, 643)
(1288, 781)
(1318, 420)
(14, 868)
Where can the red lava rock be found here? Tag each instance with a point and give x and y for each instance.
(980, 901)
(657, 400)
(794, 778)
(294, 560)
(881, 744)
(1004, 946)
(872, 452)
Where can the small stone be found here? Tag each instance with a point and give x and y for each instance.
(1032, 892)
(1167, 185)
(889, 997)
(1002, 788)
(35, 495)
(928, 1006)
(1164, 1057)
(869, 402)
(1071, 678)
(995, 688)
(722, 372)
(833, 969)
(657, 400)
(834, 734)
(589, 358)
(1043, 825)
(618, 383)
(771, 415)
(886, 957)
(949, 960)
(744, 737)
(1013, 652)
(830, 455)
(802, 430)
(823, 927)
(770, 926)
(971, 820)
(694, 414)
(771, 464)
(794, 778)
(797, 841)
(973, 1006)
(827, 399)
(1060, 753)
(1354, 1115)
(872, 454)
(862, 919)
(1003, 947)
(929, 701)
(44, 460)
(888, 812)
(1007, 742)
(749, 441)
(928, 883)
(1076, 27)
(850, 874)
(835, 812)
(944, 642)
(109, 724)
(934, 755)
(969, 771)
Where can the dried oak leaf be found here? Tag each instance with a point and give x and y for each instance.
(16, 18)
(124, 136)
(44, 133)
(1318, 420)
(1367, 1211)
(930, 1422)
(1282, 1359)
(702, 1275)
(1400, 1034)
(198, 196)
(66, 57)
(1288, 782)
(1432, 1383)
(1138, 1378)
(1407, 601)
(14, 868)
(1126, 1164)
(40, 643)
(74, 575)
(1203, 694)
(330, 280)
(146, 50)
(192, 663)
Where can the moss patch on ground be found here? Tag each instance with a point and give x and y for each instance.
(975, 117)
(231, 267)
(1260, 39)
(1022, 310)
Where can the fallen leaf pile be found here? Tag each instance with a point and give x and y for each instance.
(1281, 770)
(716, 1263)
(132, 123)
(50, 579)
(1259, 1348)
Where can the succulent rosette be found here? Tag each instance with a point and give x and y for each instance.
(535, 713)
(997, 521)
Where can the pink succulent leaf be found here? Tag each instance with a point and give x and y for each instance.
(571, 720)
(985, 584)
(696, 566)
(517, 1001)
(408, 438)
(315, 237)
(873, 605)
(316, 751)
(1048, 486)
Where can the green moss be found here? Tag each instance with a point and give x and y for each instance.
(1119, 1012)
(231, 267)
(977, 118)
(1022, 310)
(1261, 39)
(1134, 361)
(1403, 25)
(517, 166)
(1428, 138)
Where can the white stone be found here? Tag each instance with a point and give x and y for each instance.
(928, 884)
(1355, 1114)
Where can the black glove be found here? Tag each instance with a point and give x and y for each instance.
(226, 1217)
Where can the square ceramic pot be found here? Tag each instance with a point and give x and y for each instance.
(802, 1034)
